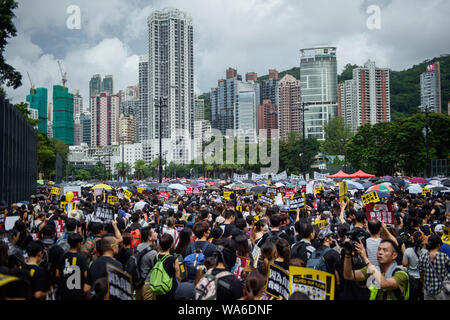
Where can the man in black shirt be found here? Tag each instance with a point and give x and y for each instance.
(97, 270)
(37, 275)
(72, 270)
(275, 232)
(228, 225)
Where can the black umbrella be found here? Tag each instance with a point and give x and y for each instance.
(367, 185)
(439, 188)
(446, 182)
(213, 188)
(42, 196)
(249, 181)
(374, 179)
(398, 181)
(258, 189)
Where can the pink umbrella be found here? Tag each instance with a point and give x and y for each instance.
(418, 180)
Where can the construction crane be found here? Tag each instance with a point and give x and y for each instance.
(33, 90)
(63, 75)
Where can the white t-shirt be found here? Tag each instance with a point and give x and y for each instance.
(372, 245)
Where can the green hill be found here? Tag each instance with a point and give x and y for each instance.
(405, 86)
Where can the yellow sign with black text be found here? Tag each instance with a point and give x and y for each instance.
(371, 197)
(318, 285)
(446, 236)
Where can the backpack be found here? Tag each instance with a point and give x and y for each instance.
(206, 288)
(194, 261)
(160, 281)
(89, 250)
(299, 251)
(317, 260)
(133, 267)
(273, 236)
(136, 234)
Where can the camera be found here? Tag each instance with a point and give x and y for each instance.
(355, 236)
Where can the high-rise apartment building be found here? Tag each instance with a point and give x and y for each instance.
(267, 117)
(77, 132)
(129, 101)
(143, 112)
(62, 114)
(199, 109)
(171, 73)
(104, 119)
(85, 123)
(234, 106)
(231, 73)
(288, 92)
(37, 100)
(318, 77)
(127, 128)
(251, 76)
(430, 88)
(108, 85)
(95, 87)
(366, 97)
(269, 88)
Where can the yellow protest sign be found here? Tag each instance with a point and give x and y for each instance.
(227, 194)
(74, 206)
(112, 200)
(63, 204)
(318, 285)
(257, 217)
(446, 236)
(128, 194)
(320, 223)
(425, 191)
(343, 188)
(319, 189)
(140, 190)
(56, 191)
(371, 197)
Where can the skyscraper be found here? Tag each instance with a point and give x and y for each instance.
(199, 109)
(62, 114)
(77, 104)
(107, 85)
(318, 77)
(85, 124)
(288, 92)
(37, 100)
(366, 97)
(143, 112)
(95, 85)
(267, 116)
(171, 72)
(104, 119)
(127, 128)
(430, 88)
(129, 102)
(269, 88)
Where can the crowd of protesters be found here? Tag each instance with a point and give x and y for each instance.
(59, 255)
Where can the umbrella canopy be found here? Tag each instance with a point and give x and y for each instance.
(279, 185)
(381, 194)
(435, 182)
(414, 188)
(102, 186)
(42, 196)
(213, 188)
(398, 181)
(354, 185)
(380, 187)
(437, 188)
(176, 186)
(374, 179)
(367, 185)
(361, 174)
(418, 180)
(388, 178)
(258, 189)
(382, 181)
(340, 174)
(446, 182)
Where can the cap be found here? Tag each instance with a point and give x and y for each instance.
(439, 228)
(185, 291)
(326, 232)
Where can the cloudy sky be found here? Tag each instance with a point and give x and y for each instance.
(249, 35)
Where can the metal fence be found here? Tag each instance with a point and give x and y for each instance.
(440, 167)
(18, 155)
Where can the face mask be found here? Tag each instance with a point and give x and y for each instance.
(333, 244)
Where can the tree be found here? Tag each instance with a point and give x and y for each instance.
(123, 172)
(139, 169)
(22, 108)
(8, 75)
(83, 175)
(337, 134)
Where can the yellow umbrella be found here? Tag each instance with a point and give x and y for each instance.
(102, 186)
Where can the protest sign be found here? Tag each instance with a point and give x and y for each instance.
(265, 199)
(248, 196)
(10, 221)
(425, 192)
(382, 211)
(2, 218)
(277, 283)
(241, 263)
(289, 193)
(168, 206)
(271, 191)
(104, 214)
(76, 190)
(164, 195)
(98, 192)
(371, 197)
(112, 200)
(63, 205)
(188, 190)
(141, 190)
(320, 176)
(319, 189)
(56, 191)
(297, 202)
(59, 223)
(227, 194)
(119, 284)
(127, 194)
(446, 235)
(196, 191)
(318, 285)
(255, 255)
(320, 223)
(343, 189)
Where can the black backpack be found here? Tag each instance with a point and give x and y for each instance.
(133, 267)
(299, 251)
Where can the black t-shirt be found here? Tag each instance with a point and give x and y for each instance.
(123, 255)
(228, 230)
(230, 288)
(274, 234)
(209, 248)
(38, 278)
(72, 278)
(97, 269)
(168, 266)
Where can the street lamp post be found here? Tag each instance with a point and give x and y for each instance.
(344, 142)
(427, 146)
(121, 139)
(160, 105)
(303, 109)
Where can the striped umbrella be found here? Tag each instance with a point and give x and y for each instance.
(380, 187)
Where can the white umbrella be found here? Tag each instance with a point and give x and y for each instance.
(414, 188)
(177, 186)
(435, 183)
(279, 185)
(354, 185)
